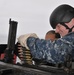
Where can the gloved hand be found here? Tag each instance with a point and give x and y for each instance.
(23, 38)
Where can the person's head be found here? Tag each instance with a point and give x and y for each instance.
(62, 19)
(52, 35)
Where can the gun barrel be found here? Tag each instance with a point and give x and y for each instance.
(12, 35)
(9, 52)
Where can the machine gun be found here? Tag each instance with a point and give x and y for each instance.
(8, 68)
(9, 52)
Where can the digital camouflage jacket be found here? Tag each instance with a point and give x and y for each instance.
(52, 52)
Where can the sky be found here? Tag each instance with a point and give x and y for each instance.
(32, 16)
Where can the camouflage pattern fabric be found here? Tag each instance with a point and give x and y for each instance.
(52, 52)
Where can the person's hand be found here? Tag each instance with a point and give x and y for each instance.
(23, 38)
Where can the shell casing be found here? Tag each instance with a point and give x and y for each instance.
(24, 55)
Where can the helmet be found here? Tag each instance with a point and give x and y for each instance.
(62, 14)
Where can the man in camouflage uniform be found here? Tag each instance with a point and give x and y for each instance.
(61, 19)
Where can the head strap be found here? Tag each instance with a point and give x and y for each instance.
(70, 29)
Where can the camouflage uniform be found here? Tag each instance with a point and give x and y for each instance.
(53, 52)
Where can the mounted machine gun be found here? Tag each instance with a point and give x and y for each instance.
(7, 67)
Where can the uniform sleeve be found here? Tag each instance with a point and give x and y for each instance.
(53, 52)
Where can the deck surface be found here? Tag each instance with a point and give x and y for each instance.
(10, 69)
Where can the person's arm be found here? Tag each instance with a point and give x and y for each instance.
(53, 52)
